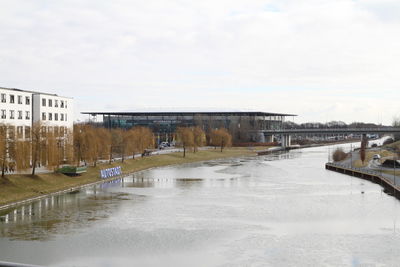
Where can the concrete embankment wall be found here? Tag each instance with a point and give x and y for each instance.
(371, 176)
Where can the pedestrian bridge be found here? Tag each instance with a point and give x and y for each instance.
(391, 130)
(286, 133)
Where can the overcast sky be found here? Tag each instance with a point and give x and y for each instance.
(323, 60)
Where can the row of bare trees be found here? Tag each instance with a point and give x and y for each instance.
(194, 137)
(190, 137)
(93, 143)
(52, 146)
(46, 146)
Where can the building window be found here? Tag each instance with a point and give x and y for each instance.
(56, 103)
(43, 102)
(56, 116)
(61, 116)
(12, 99)
(20, 131)
(20, 99)
(61, 104)
(27, 100)
(3, 98)
(50, 116)
(20, 114)
(50, 103)
(65, 104)
(27, 115)
(12, 112)
(65, 116)
(43, 116)
(27, 132)
(3, 114)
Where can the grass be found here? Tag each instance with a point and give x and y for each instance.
(393, 145)
(19, 187)
(369, 155)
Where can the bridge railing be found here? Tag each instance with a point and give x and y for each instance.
(333, 130)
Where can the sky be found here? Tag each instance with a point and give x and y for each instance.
(323, 60)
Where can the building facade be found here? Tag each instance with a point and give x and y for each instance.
(242, 125)
(22, 108)
(16, 110)
(53, 110)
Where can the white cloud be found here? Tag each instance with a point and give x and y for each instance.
(320, 59)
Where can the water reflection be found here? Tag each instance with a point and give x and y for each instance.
(61, 214)
(273, 210)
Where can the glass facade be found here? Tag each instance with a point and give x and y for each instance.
(165, 123)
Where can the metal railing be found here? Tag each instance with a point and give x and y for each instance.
(334, 130)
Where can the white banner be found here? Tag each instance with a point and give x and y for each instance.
(110, 172)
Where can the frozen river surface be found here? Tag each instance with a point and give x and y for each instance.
(277, 210)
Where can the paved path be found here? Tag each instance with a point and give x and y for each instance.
(373, 166)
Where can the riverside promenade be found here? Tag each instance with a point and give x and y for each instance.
(390, 183)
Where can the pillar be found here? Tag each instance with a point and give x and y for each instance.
(269, 138)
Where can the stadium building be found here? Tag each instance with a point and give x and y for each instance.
(242, 125)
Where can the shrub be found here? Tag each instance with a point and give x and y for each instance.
(339, 155)
(388, 141)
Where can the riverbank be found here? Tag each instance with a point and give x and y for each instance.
(389, 183)
(15, 188)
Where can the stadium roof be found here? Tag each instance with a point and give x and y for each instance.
(187, 113)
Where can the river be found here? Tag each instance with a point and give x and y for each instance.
(274, 210)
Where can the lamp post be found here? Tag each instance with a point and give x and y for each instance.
(351, 155)
(394, 177)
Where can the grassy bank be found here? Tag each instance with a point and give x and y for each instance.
(368, 157)
(19, 187)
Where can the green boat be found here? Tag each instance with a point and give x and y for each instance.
(72, 170)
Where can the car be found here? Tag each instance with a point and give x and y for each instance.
(376, 157)
(163, 145)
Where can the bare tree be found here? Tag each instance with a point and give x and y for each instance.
(22, 155)
(126, 143)
(79, 143)
(133, 144)
(104, 136)
(199, 138)
(36, 144)
(3, 149)
(53, 149)
(116, 142)
(145, 138)
(221, 138)
(185, 138)
(364, 144)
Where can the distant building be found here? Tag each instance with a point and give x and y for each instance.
(16, 110)
(21, 108)
(242, 125)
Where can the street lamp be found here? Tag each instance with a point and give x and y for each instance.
(394, 176)
(351, 155)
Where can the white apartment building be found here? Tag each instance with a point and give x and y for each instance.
(53, 110)
(16, 110)
(21, 108)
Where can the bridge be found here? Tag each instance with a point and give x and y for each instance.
(379, 130)
(285, 133)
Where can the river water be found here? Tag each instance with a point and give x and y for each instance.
(275, 210)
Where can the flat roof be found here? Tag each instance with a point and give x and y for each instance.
(188, 113)
(32, 92)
